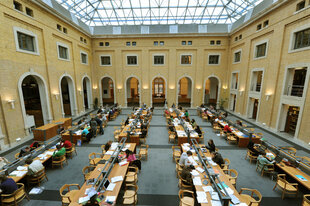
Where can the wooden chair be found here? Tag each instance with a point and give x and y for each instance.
(252, 199)
(178, 167)
(69, 194)
(266, 168)
(232, 175)
(117, 130)
(143, 152)
(303, 159)
(231, 139)
(306, 200)
(259, 134)
(116, 137)
(216, 128)
(86, 171)
(226, 164)
(251, 156)
(201, 138)
(171, 136)
(176, 152)
(182, 182)
(132, 175)
(285, 186)
(94, 159)
(59, 161)
(70, 151)
(16, 155)
(186, 198)
(15, 197)
(102, 149)
(130, 196)
(290, 150)
(36, 178)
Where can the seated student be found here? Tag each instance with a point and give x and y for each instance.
(100, 110)
(131, 158)
(65, 143)
(60, 129)
(34, 145)
(107, 145)
(262, 161)
(143, 133)
(227, 128)
(252, 149)
(3, 162)
(217, 158)
(184, 161)
(186, 114)
(167, 112)
(186, 175)
(60, 151)
(127, 121)
(82, 120)
(24, 151)
(194, 124)
(198, 130)
(86, 133)
(34, 166)
(211, 146)
(8, 185)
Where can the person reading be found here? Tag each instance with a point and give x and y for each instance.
(60, 151)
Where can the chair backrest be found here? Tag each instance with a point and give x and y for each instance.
(257, 194)
(133, 169)
(233, 173)
(102, 148)
(91, 155)
(87, 169)
(183, 192)
(226, 161)
(306, 200)
(17, 155)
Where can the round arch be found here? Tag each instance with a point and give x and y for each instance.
(72, 95)
(89, 92)
(140, 92)
(218, 92)
(101, 89)
(44, 97)
(151, 85)
(192, 89)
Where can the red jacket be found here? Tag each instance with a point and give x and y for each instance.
(66, 144)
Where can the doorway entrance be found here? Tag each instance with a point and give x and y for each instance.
(133, 93)
(184, 92)
(291, 120)
(211, 91)
(107, 91)
(158, 92)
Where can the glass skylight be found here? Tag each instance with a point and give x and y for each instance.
(150, 12)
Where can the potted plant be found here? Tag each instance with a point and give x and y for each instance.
(222, 102)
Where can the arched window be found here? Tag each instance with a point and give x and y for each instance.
(158, 86)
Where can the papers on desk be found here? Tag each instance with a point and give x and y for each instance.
(127, 145)
(208, 189)
(229, 191)
(114, 145)
(110, 199)
(215, 196)
(216, 203)
(116, 179)
(300, 177)
(234, 199)
(194, 173)
(181, 134)
(79, 132)
(49, 153)
(195, 157)
(123, 163)
(111, 187)
(201, 197)
(186, 148)
(109, 152)
(83, 199)
(199, 169)
(193, 162)
(36, 190)
(20, 168)
(197, 181)
(211, 161)
(18, 173)
(239, 133)
(90, 192)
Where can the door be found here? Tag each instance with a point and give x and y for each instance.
(255, 107)
(291, 120)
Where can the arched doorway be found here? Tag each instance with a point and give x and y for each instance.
(185, 92)
(67, 96)
(133, 92)
(34, 101)
(158, 92)
(211, 91)
(107, 91)
(86, 93)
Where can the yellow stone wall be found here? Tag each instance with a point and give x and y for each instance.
(282, 21)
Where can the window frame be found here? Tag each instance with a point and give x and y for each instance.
(68, 51)
(83, 52)
(214, 54)
(293, 39)
(236, 51)
(105, 65)
(132, 64)
(30, 33)
(186, 55)
(255, 49)
(231, 80)
(153, 56)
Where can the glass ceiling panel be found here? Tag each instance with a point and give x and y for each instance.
(146, 12)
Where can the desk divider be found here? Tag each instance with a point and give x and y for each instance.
(212, 177)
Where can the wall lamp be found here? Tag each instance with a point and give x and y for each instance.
(241, 92)
(56, 95)
(12, 103)
(268, 96)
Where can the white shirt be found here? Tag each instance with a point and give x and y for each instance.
(184, 159)
(35, 167)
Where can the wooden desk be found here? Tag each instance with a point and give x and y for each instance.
(48, 130)
(65, 122)
(184, 139)
(117, 170)
(17, 179)
(75, 137)
(133, 138)
(222, 177)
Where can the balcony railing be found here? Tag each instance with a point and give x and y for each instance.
(294, 90)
